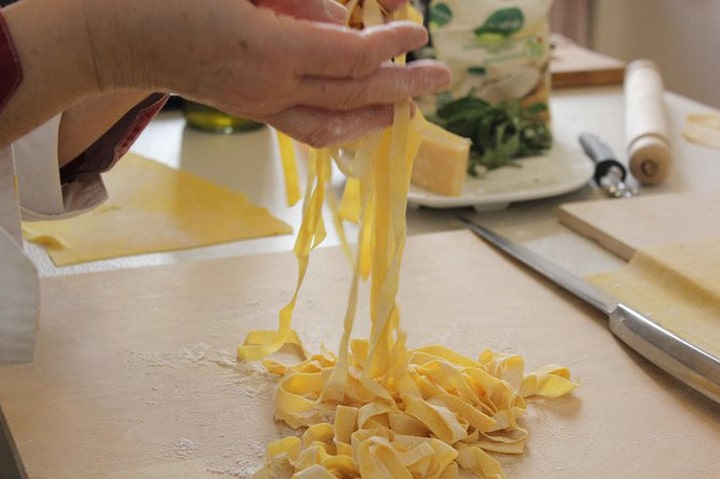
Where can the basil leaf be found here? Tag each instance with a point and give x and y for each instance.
(499, 133)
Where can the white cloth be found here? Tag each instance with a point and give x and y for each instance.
(19, 302)
(41, 195)
(19, 285)
(30, 183)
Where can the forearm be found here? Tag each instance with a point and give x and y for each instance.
(319, 82)
(57, 70)
(90, 118)
(60, 74)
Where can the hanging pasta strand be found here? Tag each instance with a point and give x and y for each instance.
(289, 164)
(311, 233)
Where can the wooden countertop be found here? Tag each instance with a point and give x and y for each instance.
(574, 66)
(135, 373)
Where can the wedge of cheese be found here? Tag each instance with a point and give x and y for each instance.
(442, 160)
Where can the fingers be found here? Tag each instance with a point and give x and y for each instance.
(328, 50)
(392, 5)
(386, 85)
(316, 10)
(321, 128)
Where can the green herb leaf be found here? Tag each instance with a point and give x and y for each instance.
(440, 14)
(500, 133)
(505, 21)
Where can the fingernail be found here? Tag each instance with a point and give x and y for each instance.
(336, 11)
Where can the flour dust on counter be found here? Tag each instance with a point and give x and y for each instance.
(256, 382)
(194, 450)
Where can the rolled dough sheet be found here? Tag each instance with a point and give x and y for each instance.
(703, 129)
(676, 285)
(153, 208)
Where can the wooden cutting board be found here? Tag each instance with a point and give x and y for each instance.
(572, 66)
(624, 226)
(135, 374)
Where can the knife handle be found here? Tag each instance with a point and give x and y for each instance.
(686, 362)
(602, 155)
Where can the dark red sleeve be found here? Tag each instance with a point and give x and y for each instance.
(107, 150)
(10, 70)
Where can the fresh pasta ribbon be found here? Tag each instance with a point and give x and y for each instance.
(453, 412)
(378, 409)
(350, 202)
(311, 233)
(289, 165)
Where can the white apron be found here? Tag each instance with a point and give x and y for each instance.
(19, 284)
(29, 177)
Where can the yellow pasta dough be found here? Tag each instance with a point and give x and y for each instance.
(676, 285)
(152, 208)
(703, 129)
(378, 409)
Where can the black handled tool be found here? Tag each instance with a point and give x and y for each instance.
(609, 172)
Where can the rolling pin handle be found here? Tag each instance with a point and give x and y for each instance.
(649, 159)
(646, 123)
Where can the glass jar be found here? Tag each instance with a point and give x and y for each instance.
(206, 118)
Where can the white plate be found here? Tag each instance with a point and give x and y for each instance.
(563, 169)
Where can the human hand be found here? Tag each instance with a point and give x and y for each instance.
(321, 83)
(318, 10)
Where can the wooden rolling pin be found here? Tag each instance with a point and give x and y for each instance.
(646, 124)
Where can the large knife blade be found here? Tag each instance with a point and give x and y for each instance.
(690, 364)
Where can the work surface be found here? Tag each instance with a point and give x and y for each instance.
(135, 374)
(124, 383)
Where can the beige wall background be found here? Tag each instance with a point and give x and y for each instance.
(681, 36)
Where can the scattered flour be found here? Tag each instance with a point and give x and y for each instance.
(243, 469)
(184, 448)
(244, 380)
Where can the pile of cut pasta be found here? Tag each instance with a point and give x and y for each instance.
(377, 409)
